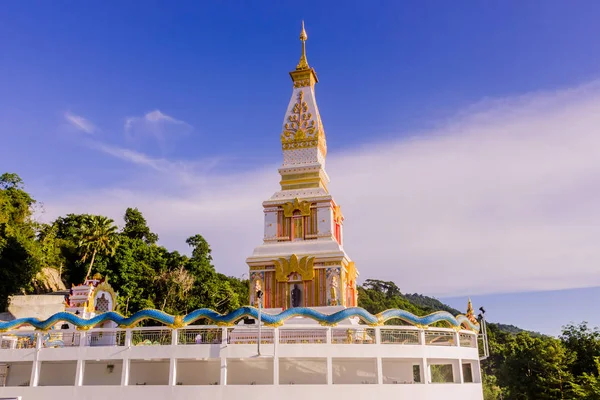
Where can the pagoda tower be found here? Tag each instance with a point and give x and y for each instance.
(302, 262)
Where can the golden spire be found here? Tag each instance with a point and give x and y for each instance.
(303, 64)
(470, 314)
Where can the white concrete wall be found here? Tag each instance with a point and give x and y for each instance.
(353, 371)
(324, 219)
(262, 392)
(198, 372)
(61, 373)
(303, 371)
(97, 373)
(149, 372)
(270, 223)
(398, 370)
(258, 371)
(18, 373)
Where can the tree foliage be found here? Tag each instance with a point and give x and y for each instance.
(20, 252)
(97, 235)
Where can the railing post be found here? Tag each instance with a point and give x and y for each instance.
(457, 338)
(379, 371)
(424, 371)
(424, 366)
(82, 338)
(36, 365)
(173, 360)
(79, 372)
(224, 336)
(377, 335)
(223, 380)
(126, 362)
(127, 337)
(461, 378)
(328, 335)
(275, 356)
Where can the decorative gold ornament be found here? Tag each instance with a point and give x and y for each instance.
(178, 322)
(303, 64)
(303, 266)
(337, 214)
(274, 324)
(352, 273)
(291, 206)
(302, 83)
(470, 314)
(301, 129)
(325, 323)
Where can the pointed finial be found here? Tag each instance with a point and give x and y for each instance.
(303, 35)
(303, 64)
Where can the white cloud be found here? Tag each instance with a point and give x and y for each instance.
(503, 198)
(80, 123)
(157, 125)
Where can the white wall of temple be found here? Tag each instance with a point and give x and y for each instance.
(240, 351)
(19, 374)
(198, 372)
(57, 373)
(250, 392)
(325, 219)
(400, 370)
(303, 156)
(149, 372)
(270, 223)
(303, 371)
(100, 373)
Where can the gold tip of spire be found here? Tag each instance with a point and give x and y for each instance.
(303, 64)
(303, 35)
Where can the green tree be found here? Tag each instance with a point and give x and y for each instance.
(136, 227)
(536, 368)
(210, 289)
(584, 342)
(587, 386)
(98, 235)
(19, 251)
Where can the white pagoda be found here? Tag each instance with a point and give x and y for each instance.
(302, 262)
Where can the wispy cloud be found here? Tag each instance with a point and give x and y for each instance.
(503, 198)
(80, 123)
(157, 125)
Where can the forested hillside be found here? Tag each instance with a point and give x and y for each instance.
(522, 365)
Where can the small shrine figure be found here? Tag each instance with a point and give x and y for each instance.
(257, 288)
(296, 296)
(333, 291)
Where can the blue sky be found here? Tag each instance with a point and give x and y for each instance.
(471, 126)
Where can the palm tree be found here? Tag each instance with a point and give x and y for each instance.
(98, 235)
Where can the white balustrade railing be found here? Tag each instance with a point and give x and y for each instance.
(440, 338)
(302, 336)
(194, 335)
(400, 336)
(353, 335)
(105, 338)
(239, 335)
(246, 335)
(467, 340)
(18, 340)
(151, 337)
